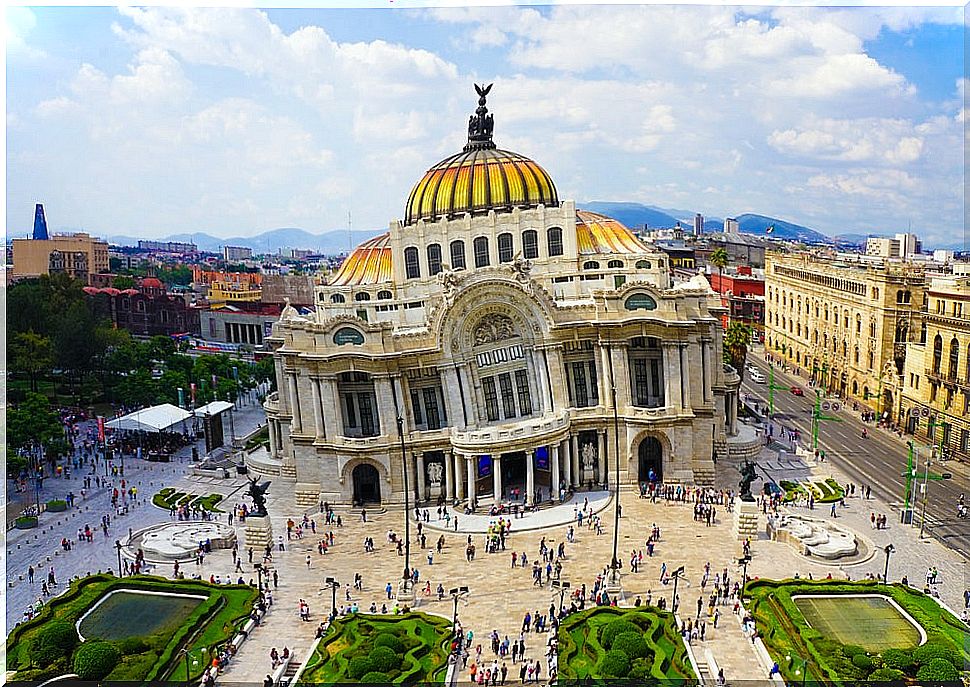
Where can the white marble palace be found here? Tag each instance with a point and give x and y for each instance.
(491, 343)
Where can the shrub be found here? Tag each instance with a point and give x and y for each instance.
(897, 659)
(850, 650)
(132, 645)
(25, 522)
(384, 659)
(53, 642)
(931, 650)
(615, 664)
(632, 644)
(938, 669)
(640, 671)
(614, 628)
(359, 666)
(862, 662)
(94, 660)
(886, 675)
(56, 506)
(392, 642)
(375, 676)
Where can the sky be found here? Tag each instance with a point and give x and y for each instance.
(155, 121)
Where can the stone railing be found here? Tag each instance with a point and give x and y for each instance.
(272, 402)
(530, 432)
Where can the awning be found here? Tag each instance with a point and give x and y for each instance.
(154, 419)
(213, 408)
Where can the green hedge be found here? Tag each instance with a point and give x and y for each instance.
(56, 506)
(168, 497)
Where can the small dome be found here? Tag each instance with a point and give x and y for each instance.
(111, 291)
(480, 178)
(151, 283)
(599, 234)
(370, 263)
(91, 290)
(130, 292)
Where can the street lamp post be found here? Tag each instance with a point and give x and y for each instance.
(334, 585)
(457, 593)
(562, 587)
(615, 562)
(118, 549)
(743, 562)
(406, 575)
(677, 573)
(890, 549)
(259, 576)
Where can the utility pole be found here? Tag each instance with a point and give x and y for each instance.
(818, 416)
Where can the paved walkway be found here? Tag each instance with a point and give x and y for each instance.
(552, 516)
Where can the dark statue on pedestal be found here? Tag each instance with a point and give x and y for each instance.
(258, 493)
(748, 475)
(480, 124)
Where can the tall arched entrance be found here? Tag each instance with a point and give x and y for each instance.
(650, 455)
(367, 484)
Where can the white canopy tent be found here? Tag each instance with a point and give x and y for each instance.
(154, 419)
(213, 408)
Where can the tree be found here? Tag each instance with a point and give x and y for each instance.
(735, 346)
(31, 355)
(719, 258)
(32, 422)
(122, 282)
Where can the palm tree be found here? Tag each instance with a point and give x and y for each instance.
(719, 258)
(735, 346)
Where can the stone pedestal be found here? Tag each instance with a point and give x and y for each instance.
(405, 594)
(588, 476)
(746, 515)
(614, 584)
(259, 532)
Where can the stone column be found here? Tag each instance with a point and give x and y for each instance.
(539, 365)
(294, 402)
(555, 472)
(281, 384)
(467, 389)
(574, 459)
(449, 477)
(567, 464)
(317, 407)
(557, 377)
(459, 482)
(387, 413)
(273, 448)
(601, 455)
(331, 401)
(672, 384)
(412, 478)
(452, 393)
(422, 478)
(497, 480)
(684, 376)
(471, 475)
(621, 374)
(404, 404)
(530, 477)
(706, 369)
(603, 375)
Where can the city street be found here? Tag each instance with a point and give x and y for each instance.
(878, 460)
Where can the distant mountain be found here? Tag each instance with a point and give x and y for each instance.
(749, 223)
(268, 242)
(633, 215)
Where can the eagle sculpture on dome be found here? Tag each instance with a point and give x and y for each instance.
(481, 124)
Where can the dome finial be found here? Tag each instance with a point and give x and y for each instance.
(480, 124)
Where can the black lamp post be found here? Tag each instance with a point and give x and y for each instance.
(615, 562)
(743, 562)
(563, 587)
(406, 577)
(890, 549)
(259, 576)
(334, 586)
(118, 549)
(456, 594)
(677, 573)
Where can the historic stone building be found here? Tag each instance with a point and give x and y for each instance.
(847, 324)
(936, 392)
(479, 342)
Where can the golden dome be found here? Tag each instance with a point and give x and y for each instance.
(599, 234)
(480, 178)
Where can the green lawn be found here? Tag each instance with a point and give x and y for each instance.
(403, 649)
(787, 633)
(824, 491)
(143, 656)
(169, 497)
(647, 641)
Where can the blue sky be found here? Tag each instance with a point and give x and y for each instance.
(232, 121)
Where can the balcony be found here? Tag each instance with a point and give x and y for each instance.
(511, 436)
(272, 403)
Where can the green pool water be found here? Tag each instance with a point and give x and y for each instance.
(127, 614)
(871, 622)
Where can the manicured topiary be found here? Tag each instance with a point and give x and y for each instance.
(897, 659)
(862, 662)
(615, 664)
(56, 506)
(25, 522)
(132, 645)
(392, 642)
(615, 628)
(94, 660)
(851, 650)
(886, 675)
(359, 666)
(384, 659)
(931, 650)
(640, 671)
(375, 676)
(938, 669)
(632, 644)
(54, 642)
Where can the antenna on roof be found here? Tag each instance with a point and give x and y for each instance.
(350, 233)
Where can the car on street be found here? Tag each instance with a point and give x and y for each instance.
(757, 377)
(797, 390)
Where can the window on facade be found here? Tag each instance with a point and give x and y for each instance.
(416, 407)
(480, 246)
(871, 359)
(615, 264)
(457, 255)
(508, 396)
(351, 410)
(937, 353)
(530, 244)
(362, 296)
(554, 241)
(643, 264)
(856, 357)
(367, 425)
(412, 268)
(337, 298)
(522, 389)
(580, 388)
(384, 295)
(858, 324)
(872, 330)
(505, 247)
(951, 371)
(491, 398)
(434, 259)
(431, 408)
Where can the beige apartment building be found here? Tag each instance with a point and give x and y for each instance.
(936, 392)
(845, 323)
(79, 255)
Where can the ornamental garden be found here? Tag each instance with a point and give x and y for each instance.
(131, 629)
(837, 632)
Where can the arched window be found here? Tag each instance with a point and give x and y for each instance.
(858, 324)
(411, 267)
(901, 332)
(855, 357)
(937, 353)
(591, 265)
(362, 296)
(643, 264)
(434, 259)
(457, 255)
(872, 359)
(899, 296)
(855, 388)
(384, 295)
(530, 244)
(614, 264)
(480, 246)
(337, 298)
(922, 333)
(872, 330)
(951, 371)
(554, 241)
(505, 247)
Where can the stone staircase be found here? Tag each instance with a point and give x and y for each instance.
(291, 670)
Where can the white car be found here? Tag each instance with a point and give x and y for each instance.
(757, 377)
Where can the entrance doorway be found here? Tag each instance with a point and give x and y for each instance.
(367, 484)
(650, 459)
